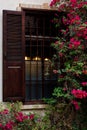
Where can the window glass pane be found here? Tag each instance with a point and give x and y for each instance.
(28, 88)
(48, 88)
(39, 88)
(31, 25)
(27, 70)
(39, 70)
(47, 26)
(40, 79)
(40, 26)
(33, 90)
(33, 70)
(47, 70)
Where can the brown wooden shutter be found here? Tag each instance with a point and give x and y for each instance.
(13, 56)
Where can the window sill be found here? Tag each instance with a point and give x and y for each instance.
(34, 107)
(38, 109)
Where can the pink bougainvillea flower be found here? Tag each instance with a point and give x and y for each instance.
(81, 4)
(76, 58)
(73, 1)
(85, 22)
(62, 6)
(5, 111)
(31, 116)
(72, 40)
(86, 37)
(55, 71)
(79, 93)
(75, 19)
(1, 125)
(61, 76)
(74, 43)
(53, 2)
(20, 117)
(56, 42)
(84, 71)
(9, 125)
(83, 47)
(65, 21)
(84, 83)
(61, 45)
(61, 54)
(65, 89)
(70, 46)
(76, 105)
(64, 31)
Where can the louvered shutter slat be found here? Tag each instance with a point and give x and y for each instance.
(13, 70)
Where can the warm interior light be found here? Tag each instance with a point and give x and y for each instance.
(27, 58)
(46, 59)
(36, 58)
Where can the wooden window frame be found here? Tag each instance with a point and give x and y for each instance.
(22, 63)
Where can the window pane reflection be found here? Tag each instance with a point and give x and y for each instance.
(47, 70)
(33, 70)
(27, 70)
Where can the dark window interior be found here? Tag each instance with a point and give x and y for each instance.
(40, 33)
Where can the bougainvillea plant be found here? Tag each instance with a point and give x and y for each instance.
(70, 59)
(12, 118)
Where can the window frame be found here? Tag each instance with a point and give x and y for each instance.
(5, 73)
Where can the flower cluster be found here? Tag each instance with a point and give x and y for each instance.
(10, 120)
(84, 71)
(79, 93)
(20, 117)
(53, 2)
(13, 118)
(74, 43)
(75, 103)
(71, 48)
(6, 121)
(84, 83)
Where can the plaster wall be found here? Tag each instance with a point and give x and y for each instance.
(11, 5)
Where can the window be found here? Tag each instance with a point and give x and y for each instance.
(27, 72)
